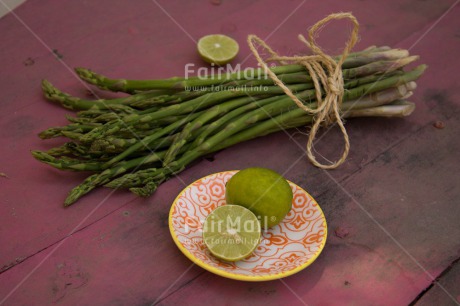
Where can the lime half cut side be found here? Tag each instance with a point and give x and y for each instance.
(231, 232)
(217, 49)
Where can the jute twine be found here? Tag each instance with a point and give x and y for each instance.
(326, 75)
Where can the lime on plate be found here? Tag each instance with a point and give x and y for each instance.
(231, 232)
(217, 49)
(263, 191)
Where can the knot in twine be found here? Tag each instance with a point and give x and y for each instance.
(326, 75)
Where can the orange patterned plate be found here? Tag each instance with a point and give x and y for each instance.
(285, 249)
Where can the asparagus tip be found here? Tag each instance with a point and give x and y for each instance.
(145, 191)
(85, 74)
(81, 71)
(82, 189)
(46, 134)
(43, 157)
(47, 88)
(35, 153)
(45, 82)
(69, 201)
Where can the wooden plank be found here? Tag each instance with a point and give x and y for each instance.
(447, 283)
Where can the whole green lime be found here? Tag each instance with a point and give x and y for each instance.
(263, 191)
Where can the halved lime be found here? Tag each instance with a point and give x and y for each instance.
(217, 48)
(231, 232)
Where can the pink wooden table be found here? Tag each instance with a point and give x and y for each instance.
(395, 203)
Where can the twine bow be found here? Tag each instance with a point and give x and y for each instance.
(326, 74)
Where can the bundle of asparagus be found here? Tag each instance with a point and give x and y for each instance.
(139, 141)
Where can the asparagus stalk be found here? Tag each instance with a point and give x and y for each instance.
(65, 164)
(174, 83)
(399, 108)
(105, 176)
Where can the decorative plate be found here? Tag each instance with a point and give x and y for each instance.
(285, 249)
